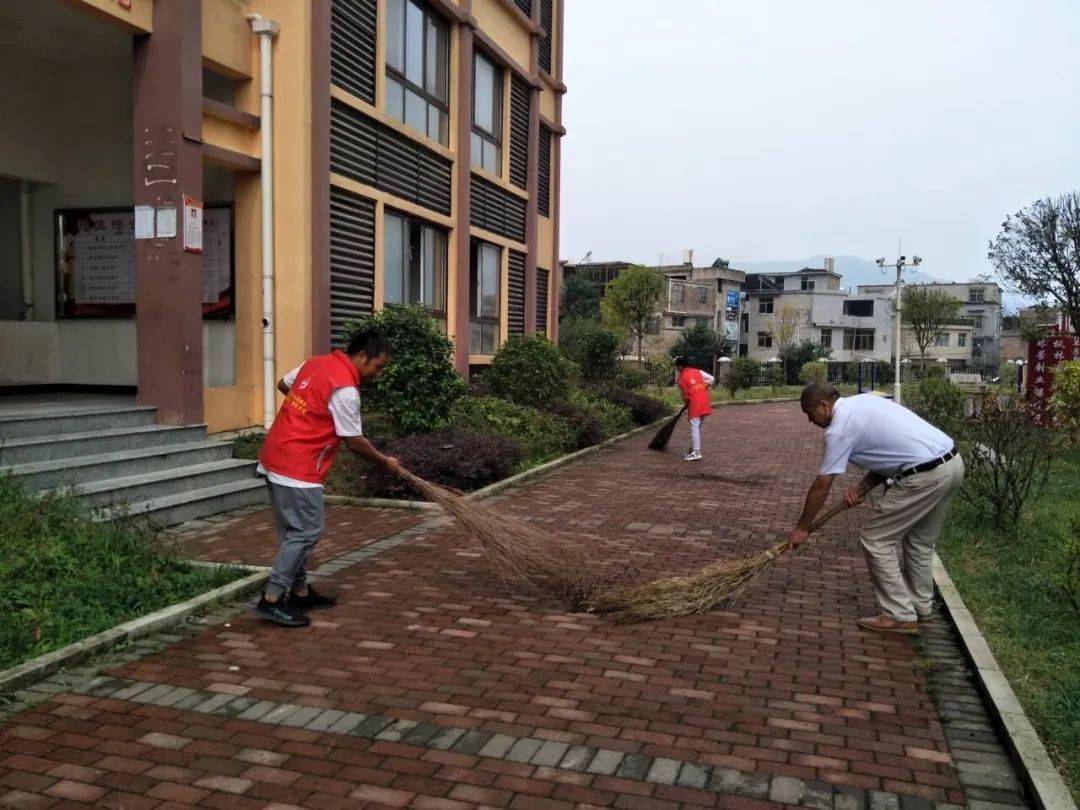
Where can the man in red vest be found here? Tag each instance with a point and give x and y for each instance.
(321, 409)
(694, 385)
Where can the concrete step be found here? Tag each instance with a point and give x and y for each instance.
(73, 445)
(169, 510)
(147, 486)
(43, 422)
(121, 463)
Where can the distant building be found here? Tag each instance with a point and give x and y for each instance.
(982, 307)
(851, 327)
(1016, 329)
(709, 295)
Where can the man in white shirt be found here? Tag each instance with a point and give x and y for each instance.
(922, 470)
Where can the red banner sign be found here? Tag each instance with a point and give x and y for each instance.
(1044, 356)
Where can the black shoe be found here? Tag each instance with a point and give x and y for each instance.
(282, 612)
(312, 601)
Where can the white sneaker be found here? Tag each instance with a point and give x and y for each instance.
(691, 456)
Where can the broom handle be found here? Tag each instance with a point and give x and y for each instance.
(864, 488)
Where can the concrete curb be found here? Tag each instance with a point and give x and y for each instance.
(44, 665)
(1044, 783)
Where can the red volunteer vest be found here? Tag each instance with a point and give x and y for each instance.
(302, 442)
(695, 393)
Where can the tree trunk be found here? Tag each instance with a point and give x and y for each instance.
(639, 336)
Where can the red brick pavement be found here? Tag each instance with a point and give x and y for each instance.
(782, 682)
(251, 539)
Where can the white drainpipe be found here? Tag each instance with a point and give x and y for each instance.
(266, 30)
(25, 237)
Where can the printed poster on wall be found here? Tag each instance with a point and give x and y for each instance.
(97, 262)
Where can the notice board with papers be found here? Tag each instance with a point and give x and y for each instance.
(95, 262)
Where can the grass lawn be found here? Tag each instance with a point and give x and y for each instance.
(65, 577)
(1012, 584)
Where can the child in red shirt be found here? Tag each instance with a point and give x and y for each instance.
(694, 385)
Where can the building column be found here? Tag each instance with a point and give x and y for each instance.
(532, 186)
(320, 177)
(462, 213)
(167, 157)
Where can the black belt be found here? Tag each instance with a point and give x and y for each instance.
(926, 466)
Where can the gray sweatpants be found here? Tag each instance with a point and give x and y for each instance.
(898, 540)
(298, 513)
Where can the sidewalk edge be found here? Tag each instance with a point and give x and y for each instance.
(1042, 778)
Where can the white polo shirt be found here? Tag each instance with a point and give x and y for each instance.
(344, 406)
(880, 436)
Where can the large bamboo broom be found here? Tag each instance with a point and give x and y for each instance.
(698, 593)
(516, 550)
(663, 436)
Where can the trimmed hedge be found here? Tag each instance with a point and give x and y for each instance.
(541, 436)
(462, 461)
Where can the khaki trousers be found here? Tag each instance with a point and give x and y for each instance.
(899, 539)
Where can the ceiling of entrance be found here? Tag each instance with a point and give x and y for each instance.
(51, 30)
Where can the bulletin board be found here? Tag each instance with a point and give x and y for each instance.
(95, 262)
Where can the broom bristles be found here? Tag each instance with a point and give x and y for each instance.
(516, 550)
(663, 436)
(681, 596)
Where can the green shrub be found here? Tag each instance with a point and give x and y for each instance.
(630, 379)
(531, 371)
(797, 355)
(463, 461)
(700, 344)
(419, 385)
(744, 373)
(595, 348)
(939, 402)
(643, 410)
(776, 376)
(935, 371)
(541, 436)
(613, 417)
(1065, 400)
(813, 371)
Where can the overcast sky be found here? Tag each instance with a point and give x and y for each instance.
(779, 129)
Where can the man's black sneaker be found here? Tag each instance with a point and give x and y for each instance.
(284, 612)
(312, 600)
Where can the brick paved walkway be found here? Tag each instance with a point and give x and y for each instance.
(432, 686)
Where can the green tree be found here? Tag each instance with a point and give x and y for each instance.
(783, 326)
(580, 299)
(594, 347)
(1037, 252)
(797, 355)
(632, 300)
(1065, 400)
(700, 344)
(925, 313)
(744, 373)
(419, 385)
(531, 371)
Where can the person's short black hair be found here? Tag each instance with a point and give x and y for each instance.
(371, 342)
(680, 362)
(817, 392)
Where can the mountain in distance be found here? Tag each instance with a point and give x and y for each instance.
(852, 269)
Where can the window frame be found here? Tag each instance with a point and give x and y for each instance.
(939, 337)
(825, 339)
(476, 295)
(765, 305)
(495, 139)
(409, 222)
(961, 340)
(764, 340)
(395, 75)
(976, 295)
(807, 285)
(863, 334)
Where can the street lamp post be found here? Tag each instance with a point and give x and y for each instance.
(1020, 376)
(901, 263)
